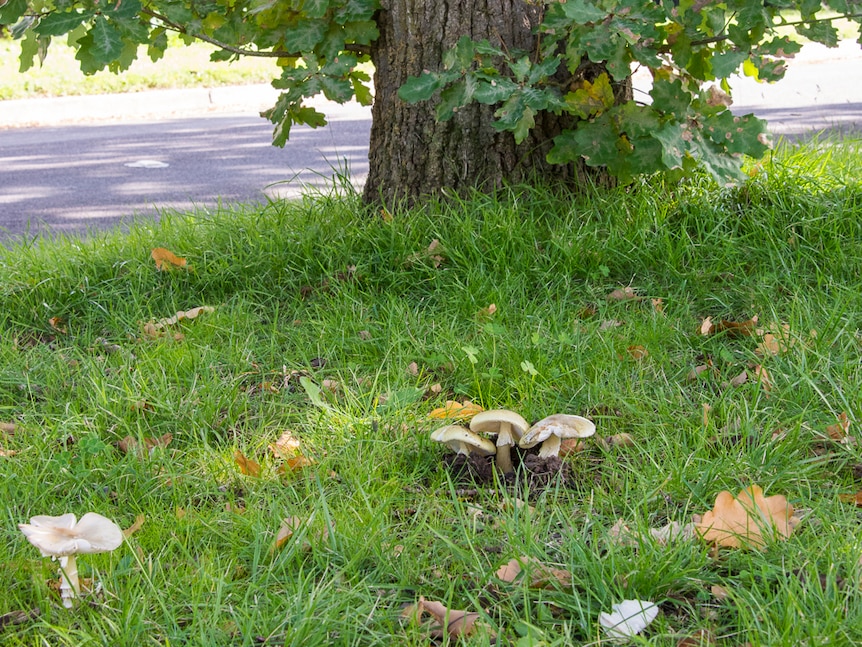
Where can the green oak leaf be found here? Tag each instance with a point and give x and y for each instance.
(420, 88)
(57, 24)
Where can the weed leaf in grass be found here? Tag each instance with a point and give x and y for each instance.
(166, 259)
(747, 520)
(314, 393)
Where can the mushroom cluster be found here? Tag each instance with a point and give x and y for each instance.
(64, 537)
(510, 429)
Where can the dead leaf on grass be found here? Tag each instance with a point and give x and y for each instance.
(135, 527)
(58, 324)
(855, 499)
(623, 294)
(130, 444)
(8, 428)
(7, 453)
(745, 521)
(840, 430)
(487, 312)
(286, 446)
(541, 576)
(288, 527)
(166, 259)
(444, 622)
(246, 465)
(456, 410)
(637, 352)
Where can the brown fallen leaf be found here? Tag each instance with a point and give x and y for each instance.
(130, 444)
(745, 521)
(7, 453)
(456, 410)
(736, 328)
(706, 327)
(58, 324)
(541, 576)
(286, 446)
(8, 428)
(840, 430)
(487, 312)
(166, 259)
(719, 592)
(444, 621)
(623, 294)
(637, 352)
(135, 527)
(246, 465)
(658, 305)
(288, 527)
(18, 617)
(855, 499)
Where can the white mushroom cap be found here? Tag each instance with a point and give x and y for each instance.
(463, 441)
(62, 536)
(552, 429)
(509, 427)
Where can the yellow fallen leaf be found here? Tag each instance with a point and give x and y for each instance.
(456, 410)
(246, 465)
(165, 259)
(745, 521)
(135, 527)
(840, 430)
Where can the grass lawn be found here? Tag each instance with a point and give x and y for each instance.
(181, 67)
(338, 331)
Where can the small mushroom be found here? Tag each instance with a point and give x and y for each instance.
(509, 427)
(64, 537)
(551, 430)
(463, 441)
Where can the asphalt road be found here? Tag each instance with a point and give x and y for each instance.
(79, 163)
(77, 177)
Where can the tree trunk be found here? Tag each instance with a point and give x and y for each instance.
(410, 154)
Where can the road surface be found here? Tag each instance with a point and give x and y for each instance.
(76, 163)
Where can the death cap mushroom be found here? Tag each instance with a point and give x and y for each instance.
(509, 427)
(551, 430)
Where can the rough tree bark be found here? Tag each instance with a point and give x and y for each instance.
(410, 154)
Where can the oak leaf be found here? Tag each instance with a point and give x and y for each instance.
(747, 520)
(286, 446)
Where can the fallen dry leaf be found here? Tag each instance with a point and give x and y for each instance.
(736, 328)
(288, 527)
(855, 499)
(444, 621)
(541, 576)
(135, 527)
(7, 453)
(622, 294)
(658, 305)
(700, 638)
(246, 465)
(486, 313)
(840, 430)
(8, 428)
(706, 327)
(610, 323)
(286, 446)
(130, 444)
(745, 521)
(456, 410)
(296, 463)
(719, 592)
(155, 329)
(413, 369)
(637, 352)
(166, 259)
(58, 324)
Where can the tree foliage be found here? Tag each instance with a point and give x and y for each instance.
(583, 49)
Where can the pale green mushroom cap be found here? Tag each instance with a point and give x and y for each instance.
(551, 430)
(463, 441)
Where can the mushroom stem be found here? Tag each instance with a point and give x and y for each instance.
(551, 447)
(70, 586)
(504, 441)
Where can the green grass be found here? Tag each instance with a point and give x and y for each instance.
(326, 289)
(181, 67)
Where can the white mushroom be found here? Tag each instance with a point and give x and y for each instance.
(63, 538)
(551, 430)
(509, 427)
(463, 441)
